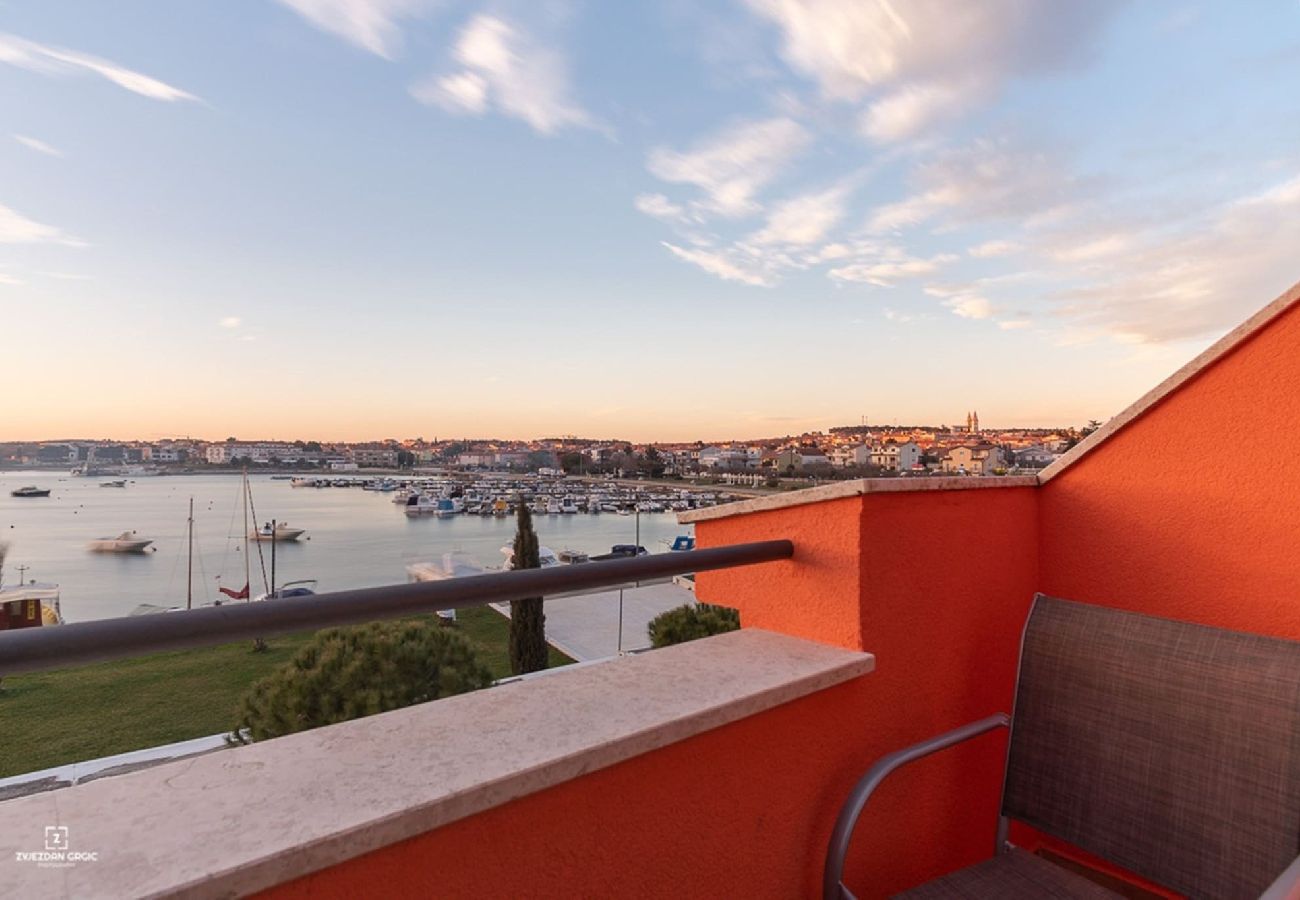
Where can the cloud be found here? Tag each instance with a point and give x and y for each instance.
(231, 322)
(986, 180)
(911, 110)
(722, 264)
(969, 306)
(9, 279)
(657, 206)
(733, 165)
(32, 143)
(891, 267)
(1164, 284)
(462, 92)
(992, 249)
(49, 60)
(1014, 324)
(505, 69)
(369, 24)
(921, 62)
(16, 228)
(804, 219)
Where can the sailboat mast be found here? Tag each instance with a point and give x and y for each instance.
(247, 581)
(189, 569)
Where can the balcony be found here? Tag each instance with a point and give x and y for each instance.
(717, 768)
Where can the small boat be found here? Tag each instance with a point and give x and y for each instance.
(126, 542)
(280, 533)
(29, 605)
(568, 506)
(622, 551)
(545, 555)
(290, 589)
(572, 557)
(450, 506)
(553, 507)
(421, 505)
(682, 543)
(119, 483)
(30, 491)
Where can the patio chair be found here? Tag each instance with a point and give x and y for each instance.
(1169, 749)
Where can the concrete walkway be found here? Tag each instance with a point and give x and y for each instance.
(585, 626)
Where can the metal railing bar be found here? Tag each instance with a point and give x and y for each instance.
(51, 647)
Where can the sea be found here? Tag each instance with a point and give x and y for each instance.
(353, 538)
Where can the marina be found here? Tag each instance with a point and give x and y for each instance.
(350, 536)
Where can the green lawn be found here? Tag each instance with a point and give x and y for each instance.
(53, 718)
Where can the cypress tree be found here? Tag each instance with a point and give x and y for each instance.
(528, 652)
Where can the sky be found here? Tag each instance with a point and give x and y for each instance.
(360, 219)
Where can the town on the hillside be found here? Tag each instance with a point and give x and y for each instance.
(855, 451)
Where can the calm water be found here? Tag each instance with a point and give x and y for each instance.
(354, 538)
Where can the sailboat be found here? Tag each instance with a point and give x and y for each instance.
(146, 609)
(243, 593)
(271, 532)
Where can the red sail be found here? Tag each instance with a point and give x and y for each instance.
(237, 595)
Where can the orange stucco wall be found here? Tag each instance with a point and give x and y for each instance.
(1192, 511)
(747, 809)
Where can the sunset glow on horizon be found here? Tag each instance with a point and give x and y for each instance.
(358, 219)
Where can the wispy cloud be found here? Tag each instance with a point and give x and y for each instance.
(657, 206)
(923, 62)
(39, 146)
(727, 265)
(993, 249)
(369, 24)
(804, 219)
(507, 70)
(733, 165)
(49, 60)
(988, 179)
(231, 322)
(891, 269)
(15, 228)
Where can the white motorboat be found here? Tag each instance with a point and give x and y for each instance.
(553, 507)
(280, 533)
(126, 542)
(568, 506)
(306, 587)
(546, 555)
(450, 506)
(421, 505)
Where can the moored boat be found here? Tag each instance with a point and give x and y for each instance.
(30, 490)
(280, 533)
(126, 542)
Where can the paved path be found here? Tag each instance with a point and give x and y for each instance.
(586, 626)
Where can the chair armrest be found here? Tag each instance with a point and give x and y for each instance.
(1286, 886)
(832, 881)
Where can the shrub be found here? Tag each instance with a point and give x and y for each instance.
(689, 622)
(347, 673)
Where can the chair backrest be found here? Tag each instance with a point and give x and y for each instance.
(1170, 749)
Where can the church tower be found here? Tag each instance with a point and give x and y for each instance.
(975, 423)
(970, 422)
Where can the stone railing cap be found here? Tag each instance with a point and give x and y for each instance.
(237, 821)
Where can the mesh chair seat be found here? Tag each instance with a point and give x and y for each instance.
(1015, 875)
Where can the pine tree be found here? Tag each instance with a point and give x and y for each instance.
(528, 652)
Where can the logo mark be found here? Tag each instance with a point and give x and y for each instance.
(56, 837)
